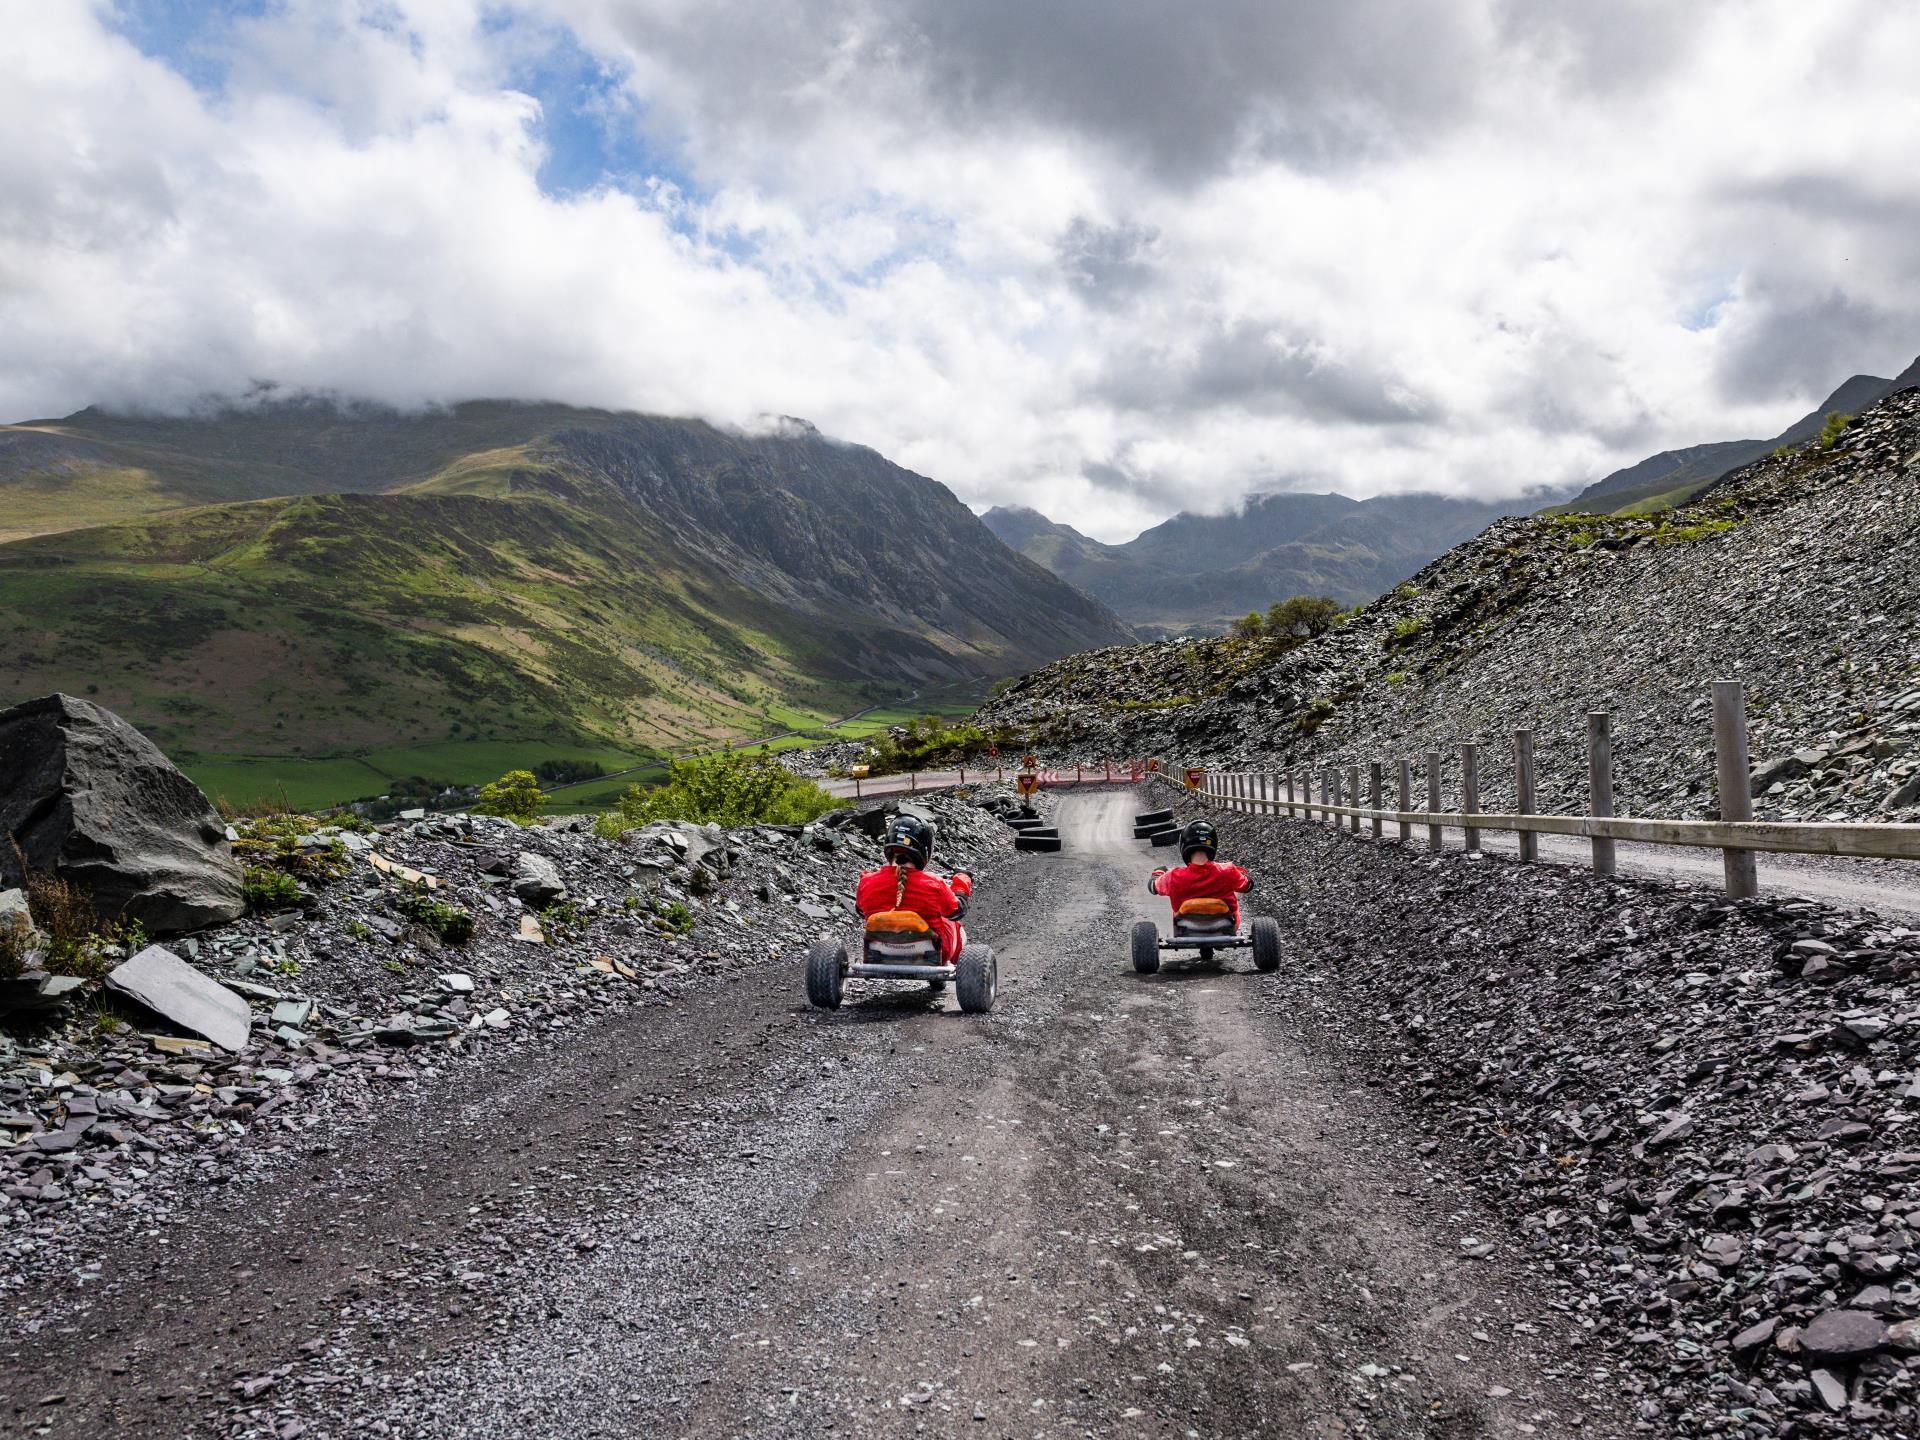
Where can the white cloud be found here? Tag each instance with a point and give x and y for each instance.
(1106, 260)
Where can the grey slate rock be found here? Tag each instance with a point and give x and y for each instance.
(536, 880)
(91, 799)
(180, 994)
(1843, 1335)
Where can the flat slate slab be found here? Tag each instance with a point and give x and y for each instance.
(175, 991)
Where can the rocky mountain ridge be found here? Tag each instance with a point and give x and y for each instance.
(1797, 575)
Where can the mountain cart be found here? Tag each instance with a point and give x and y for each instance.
(900, 945)
(1206, 927)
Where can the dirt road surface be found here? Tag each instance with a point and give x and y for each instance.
(1118, 1206)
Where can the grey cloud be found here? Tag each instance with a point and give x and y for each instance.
(1106, 264)
(1182, 91)
(1798, 344)
(1252, 367)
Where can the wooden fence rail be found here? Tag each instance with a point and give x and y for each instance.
(1736, 835)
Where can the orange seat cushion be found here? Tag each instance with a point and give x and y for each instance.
(895, 920)
(1205, 907)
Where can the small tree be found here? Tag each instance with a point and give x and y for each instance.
(1247, 627)
(516, 795)
(1303, 616)
(1830, 432)
(723, 786)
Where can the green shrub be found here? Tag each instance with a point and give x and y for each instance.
(673, 918)
(1303, 616)
(452, 923)
(1830, 432)
(1408, 626)
(516, 795)
(273, 842)
(725, 787)
(1248, 626)
(267, 888)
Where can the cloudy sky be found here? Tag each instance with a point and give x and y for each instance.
(1110, 258)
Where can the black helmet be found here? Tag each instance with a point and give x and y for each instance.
(1199, 835)
(909, 838)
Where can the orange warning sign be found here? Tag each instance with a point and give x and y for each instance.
(1194, 776)
(1027, 781)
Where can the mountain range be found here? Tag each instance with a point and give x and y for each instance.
(1199, 573)
(302, 579)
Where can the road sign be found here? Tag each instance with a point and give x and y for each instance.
(1027, 781)
(993, 749)
(1194, 776)
(1153, 767)
(1029, 761)
(859, 772)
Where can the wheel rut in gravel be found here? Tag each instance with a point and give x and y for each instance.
(1120, 1205)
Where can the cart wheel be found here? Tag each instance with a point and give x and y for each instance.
(826, 973)
(978, 980)
(1266, 943)
(1146, 946)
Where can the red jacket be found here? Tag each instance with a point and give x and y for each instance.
(1203, 880)
(927, 894)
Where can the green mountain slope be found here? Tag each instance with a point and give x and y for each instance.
(570, 583)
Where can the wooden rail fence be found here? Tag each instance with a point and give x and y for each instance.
(1737, 835)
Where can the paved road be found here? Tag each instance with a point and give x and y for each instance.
(1118, 1206)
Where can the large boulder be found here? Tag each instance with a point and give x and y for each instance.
(91, 799)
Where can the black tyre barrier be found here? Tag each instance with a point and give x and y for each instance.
(1153, 817)
(1163, 840)
(1045, 844)
(1023, 823)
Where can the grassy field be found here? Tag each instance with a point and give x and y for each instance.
(303, 783)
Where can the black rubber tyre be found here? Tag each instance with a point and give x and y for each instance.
(1044, 844)
(1022, 822)
(1266, 942)
(1146, 947)
(1153, 817)
(826, 974)
(1165, 838)
(978, 980)
(1147, 832)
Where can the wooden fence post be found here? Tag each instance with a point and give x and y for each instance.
(1600, 785)
(1434, 840)
(1376, 782)
(1263, 793)
(1406, 799)
(1291, 812)
(1523, 791)
(1731, 770)
(1353, 794)
(1470, 791)
(1333, 794)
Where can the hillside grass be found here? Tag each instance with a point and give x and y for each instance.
(317, 783)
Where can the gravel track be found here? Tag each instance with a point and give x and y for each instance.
(1118, 1206)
